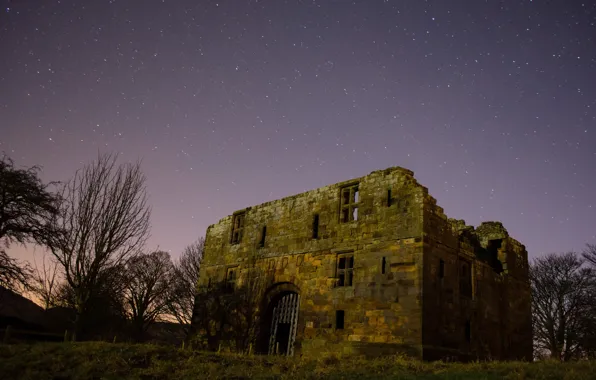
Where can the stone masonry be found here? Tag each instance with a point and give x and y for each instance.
(380, 269)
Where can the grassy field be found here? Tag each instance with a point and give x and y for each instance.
(61, 361)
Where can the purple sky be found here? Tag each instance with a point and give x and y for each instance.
(233, 103)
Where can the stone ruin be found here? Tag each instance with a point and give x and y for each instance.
(372, 266)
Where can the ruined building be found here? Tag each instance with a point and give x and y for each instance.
(373, 266)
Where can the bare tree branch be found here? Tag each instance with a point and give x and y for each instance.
(148, 278)
(103, 221)
(183, 290)
(590, 254)
(26, 207)
(44, 281)
(561, 289)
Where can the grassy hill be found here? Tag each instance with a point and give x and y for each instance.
(126, 361)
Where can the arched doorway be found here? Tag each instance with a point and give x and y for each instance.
(278, 332)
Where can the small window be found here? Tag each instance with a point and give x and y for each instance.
(345, 270)
(339, 319)
(231, 278)
(237, 228)
(315, 227)
(263, 236)
(389, 198)
(468, 331)
(349, 203)
(465, 279)
(383, 265)
(441, 268)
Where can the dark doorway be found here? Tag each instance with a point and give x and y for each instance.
(282, 337)
(283, 322)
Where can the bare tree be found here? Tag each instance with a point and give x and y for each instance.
(103, 221)
(44, 281)
(230, 313)
(561, 290)
(26, 207)
(148, 280)
(590, 254)
(105, 315)
(183, 290)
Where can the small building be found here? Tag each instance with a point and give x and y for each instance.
(373, 266)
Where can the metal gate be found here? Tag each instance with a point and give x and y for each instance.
(284, 322)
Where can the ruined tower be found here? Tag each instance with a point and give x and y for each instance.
(373, 266)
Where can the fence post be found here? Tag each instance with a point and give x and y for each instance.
(7, 334)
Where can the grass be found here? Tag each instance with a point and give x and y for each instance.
(99, 360)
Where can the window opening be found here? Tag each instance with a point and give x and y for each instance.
(263, 236)
(237, 228)
(339, 319)
(383, 265)
(465, 279)
(441, 268)
(349, 203)
(231, 278)
(345, 270)
(315, 227)
(389, 198)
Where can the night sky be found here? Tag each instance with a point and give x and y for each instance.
(229, 104)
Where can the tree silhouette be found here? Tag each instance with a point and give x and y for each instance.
(102, 222)
(183, 289)
(562, 296)
(26, 207)
(148, 278)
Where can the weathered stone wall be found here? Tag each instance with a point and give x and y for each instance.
(411, 307)
(379, 308)
(492, 321)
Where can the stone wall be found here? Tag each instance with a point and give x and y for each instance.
(397, 241)
(491, 320)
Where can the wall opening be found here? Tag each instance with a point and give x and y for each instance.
(345, 269)
(315, 226)
(231, 279)
(465, 279)
(339, 319)
(263, 236)
(282, 324)
(349, 199)
(383, 265)
(441, 268)
(389, 198)
(237, 228)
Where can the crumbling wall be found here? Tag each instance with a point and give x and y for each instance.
(491, 320)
